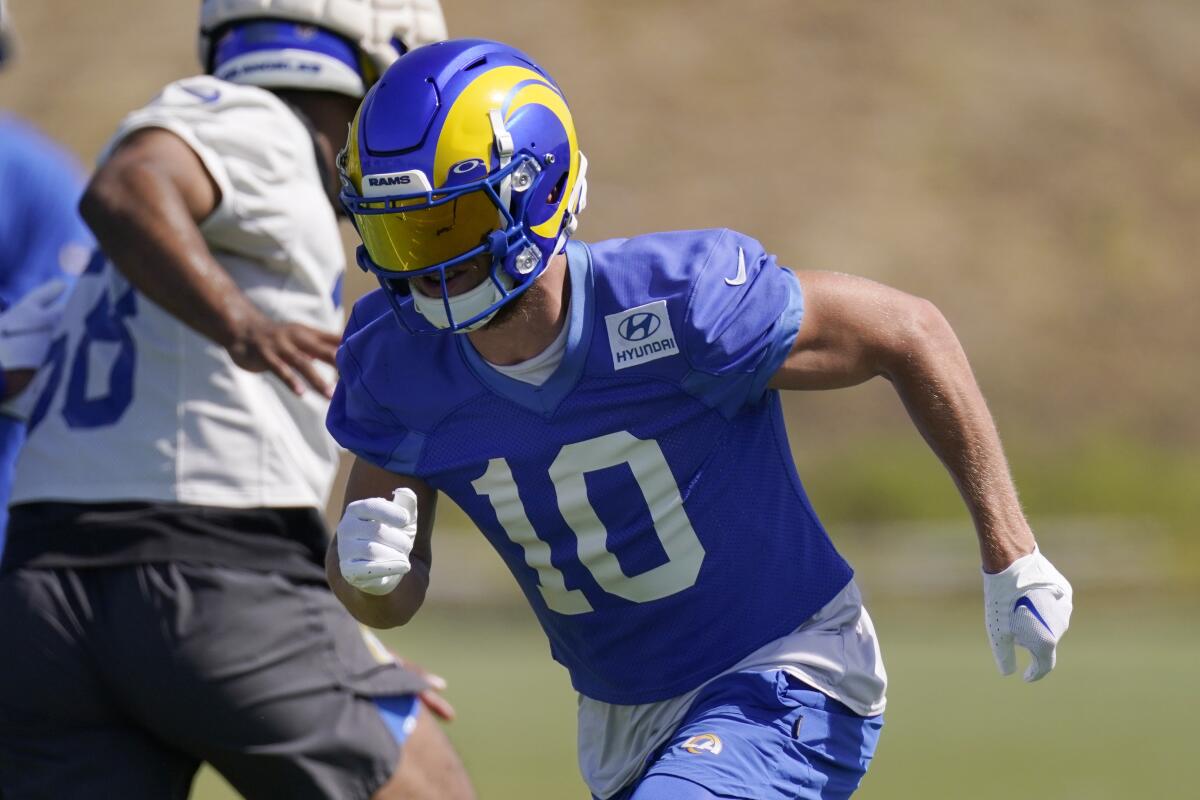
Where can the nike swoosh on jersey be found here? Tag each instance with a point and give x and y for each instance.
(740, 278)
(205, 96)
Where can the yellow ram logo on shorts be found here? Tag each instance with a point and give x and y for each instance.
(703, 743)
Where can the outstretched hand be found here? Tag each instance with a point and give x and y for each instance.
(288, 350)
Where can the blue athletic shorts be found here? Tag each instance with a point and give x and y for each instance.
(399, 715)
(761, 736)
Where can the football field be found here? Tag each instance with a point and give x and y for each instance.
(1113, 721)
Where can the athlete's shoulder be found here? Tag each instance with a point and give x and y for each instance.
(37, 173)
(261, 157)
(675, 264)
(366, 316)
(32, 163)
(715, 298)
(225, 118)
(711, 281)
(41, 235)
(209, 95)
(672, 256)
(27, 148)
(414, 378)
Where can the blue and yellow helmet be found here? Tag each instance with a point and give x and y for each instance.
(463, 149)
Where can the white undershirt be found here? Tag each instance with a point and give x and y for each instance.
(538, 369)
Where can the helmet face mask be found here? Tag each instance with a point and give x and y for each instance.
(428, 234)
(466, 149)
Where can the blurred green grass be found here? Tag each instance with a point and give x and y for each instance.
(898, 478)
(1113, 721)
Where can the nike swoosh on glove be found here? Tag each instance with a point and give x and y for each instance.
(375, 538)
(1028, 604)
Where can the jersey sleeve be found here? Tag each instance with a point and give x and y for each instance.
(357, 419)
(252, 146)
(743, 314)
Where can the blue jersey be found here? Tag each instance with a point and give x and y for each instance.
(644, 497)
(41, 238)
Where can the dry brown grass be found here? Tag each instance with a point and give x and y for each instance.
(1032, 167)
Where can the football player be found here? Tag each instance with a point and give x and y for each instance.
(162, 590)
(608, 414)
(43, 246)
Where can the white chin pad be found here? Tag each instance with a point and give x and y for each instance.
(463, 306)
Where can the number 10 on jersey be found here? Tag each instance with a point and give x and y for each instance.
(674, 531)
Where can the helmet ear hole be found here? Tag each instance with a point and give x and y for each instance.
(557, 192)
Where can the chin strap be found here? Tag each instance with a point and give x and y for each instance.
(578, 201)
(505, 149)
(575, 206)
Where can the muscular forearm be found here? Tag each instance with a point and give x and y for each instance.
(390, 610)
(145, 226)
(934, 380)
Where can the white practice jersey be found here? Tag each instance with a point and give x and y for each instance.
(134, 405)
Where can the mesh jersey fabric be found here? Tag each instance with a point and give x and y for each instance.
(647, 505)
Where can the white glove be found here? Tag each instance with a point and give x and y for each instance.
(1029, 603)
(25, 326)
(375, 537)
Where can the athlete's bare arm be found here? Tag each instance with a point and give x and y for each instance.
(145, 205)
(855, 329)
(399, 605)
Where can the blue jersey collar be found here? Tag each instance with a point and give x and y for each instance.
(546, 398)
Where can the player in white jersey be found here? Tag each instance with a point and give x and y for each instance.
(163, 580)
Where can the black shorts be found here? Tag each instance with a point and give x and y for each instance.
(118, 681)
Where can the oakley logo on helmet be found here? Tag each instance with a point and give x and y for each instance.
(467, 167)
(395, 183)
(639, 326)
(641, 334)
